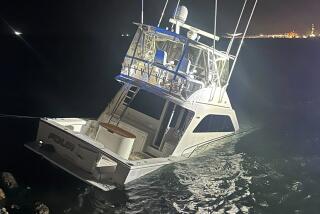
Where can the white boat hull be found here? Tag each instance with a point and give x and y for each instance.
(79, 155)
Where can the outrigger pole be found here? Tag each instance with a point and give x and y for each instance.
(240, 45)
(230, 46)
(213, 90)
(236, 29)
(243, 37)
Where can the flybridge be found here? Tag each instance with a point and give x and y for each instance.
(170, 63)
(173, 63)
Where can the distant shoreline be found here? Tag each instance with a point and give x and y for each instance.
(317, 38)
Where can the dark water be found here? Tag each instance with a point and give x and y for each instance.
(275, 169)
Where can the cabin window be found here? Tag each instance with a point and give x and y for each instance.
(215, 123)
(148, 103)
(173, 49)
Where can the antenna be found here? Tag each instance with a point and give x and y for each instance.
(164, 9)
(215, 23)
(175, 13)
(142, 3)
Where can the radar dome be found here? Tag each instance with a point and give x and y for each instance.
(182, 13)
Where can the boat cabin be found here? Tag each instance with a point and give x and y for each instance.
(164, 128)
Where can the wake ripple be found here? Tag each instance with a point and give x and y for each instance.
(215, 182)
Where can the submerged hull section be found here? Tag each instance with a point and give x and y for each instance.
(88, 159)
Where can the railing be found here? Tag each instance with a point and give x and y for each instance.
(196, 149)
(175, 82)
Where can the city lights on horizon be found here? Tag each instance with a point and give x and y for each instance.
(289, 35)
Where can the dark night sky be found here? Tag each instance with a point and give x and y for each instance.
(92, 17)
(75, 48)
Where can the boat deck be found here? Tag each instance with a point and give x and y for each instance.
(139, 156)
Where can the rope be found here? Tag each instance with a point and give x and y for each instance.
(18, 116)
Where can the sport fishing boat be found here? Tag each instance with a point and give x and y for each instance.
(172, 104)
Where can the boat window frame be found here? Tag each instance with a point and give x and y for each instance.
(142, 29)
(161, 100)
(211, 127)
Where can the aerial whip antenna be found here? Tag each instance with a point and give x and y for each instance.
(164, 9)
(142, 4)
(175, 12)
(215, 23)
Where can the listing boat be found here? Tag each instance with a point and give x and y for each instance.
(172, 104)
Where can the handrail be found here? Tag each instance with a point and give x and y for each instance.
(206, 143)
(158, 65)
(182, 37)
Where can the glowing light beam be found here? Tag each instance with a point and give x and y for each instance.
(17, 33)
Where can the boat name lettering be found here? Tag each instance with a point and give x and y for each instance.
(59, 140)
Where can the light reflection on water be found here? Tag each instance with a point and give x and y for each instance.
(241, 176)
(216, 180)
(213, 182)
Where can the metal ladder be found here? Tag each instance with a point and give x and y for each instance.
(122, 104)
